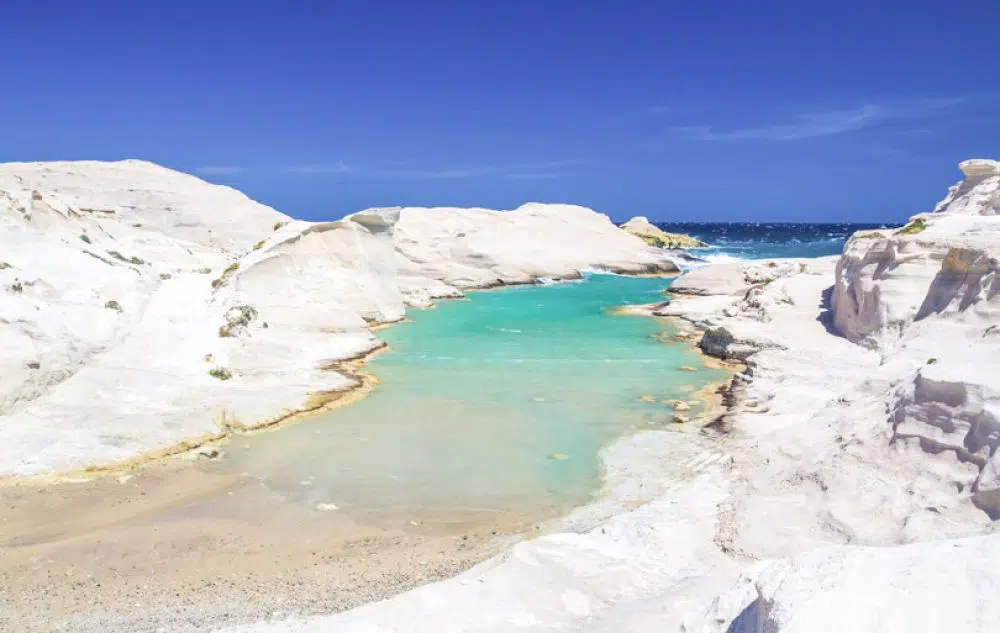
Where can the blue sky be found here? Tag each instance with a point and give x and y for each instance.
(680, 111)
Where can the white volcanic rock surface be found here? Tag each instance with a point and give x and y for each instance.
(123, 285)
(868, 414)
(867, 417)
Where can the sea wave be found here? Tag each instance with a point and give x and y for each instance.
(718, 258)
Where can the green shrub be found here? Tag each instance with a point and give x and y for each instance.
(4, 265)
(16, 288)
(130, 260)
(220, 372)
(258, 245)
(917, 226)
(278, 225)
(225, 274)
(204, 271)
(236, 318)
(113, 305)
(85, 238)
(96, 256)
(166, 276)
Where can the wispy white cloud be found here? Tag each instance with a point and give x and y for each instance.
(828, 123)
(220, 170)
(539, 175)
(518, 171)
(336, 167)
(434, 174)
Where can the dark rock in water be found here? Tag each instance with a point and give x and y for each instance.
(716, 342)
(720, 342)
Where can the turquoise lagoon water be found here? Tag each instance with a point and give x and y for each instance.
(495, 404)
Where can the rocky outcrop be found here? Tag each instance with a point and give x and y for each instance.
(445, 250)
(142, 309)
(642, 228)
(941, 262)
(137, 194)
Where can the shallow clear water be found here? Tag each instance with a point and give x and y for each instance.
(498, 403)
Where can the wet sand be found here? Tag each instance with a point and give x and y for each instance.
(178, 548)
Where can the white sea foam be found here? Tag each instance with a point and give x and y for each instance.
(718, 258)
(712, 258)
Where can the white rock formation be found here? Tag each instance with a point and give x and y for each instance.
(141, 307)
(867, 417)
(444, 250)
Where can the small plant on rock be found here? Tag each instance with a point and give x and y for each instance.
(204, 271)
(237, 319)
(278, 225)
(165, 276)
(4, 265)
(220, 372)
(85, 238)
(258, 245)
(138, 261)
(113, 305)
(917, 226)
(16, 288)
(232, 268)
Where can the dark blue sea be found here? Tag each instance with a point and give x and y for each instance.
(756, 240)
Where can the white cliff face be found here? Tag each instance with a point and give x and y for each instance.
(141, 308)
(929, 300)
(867, 417)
